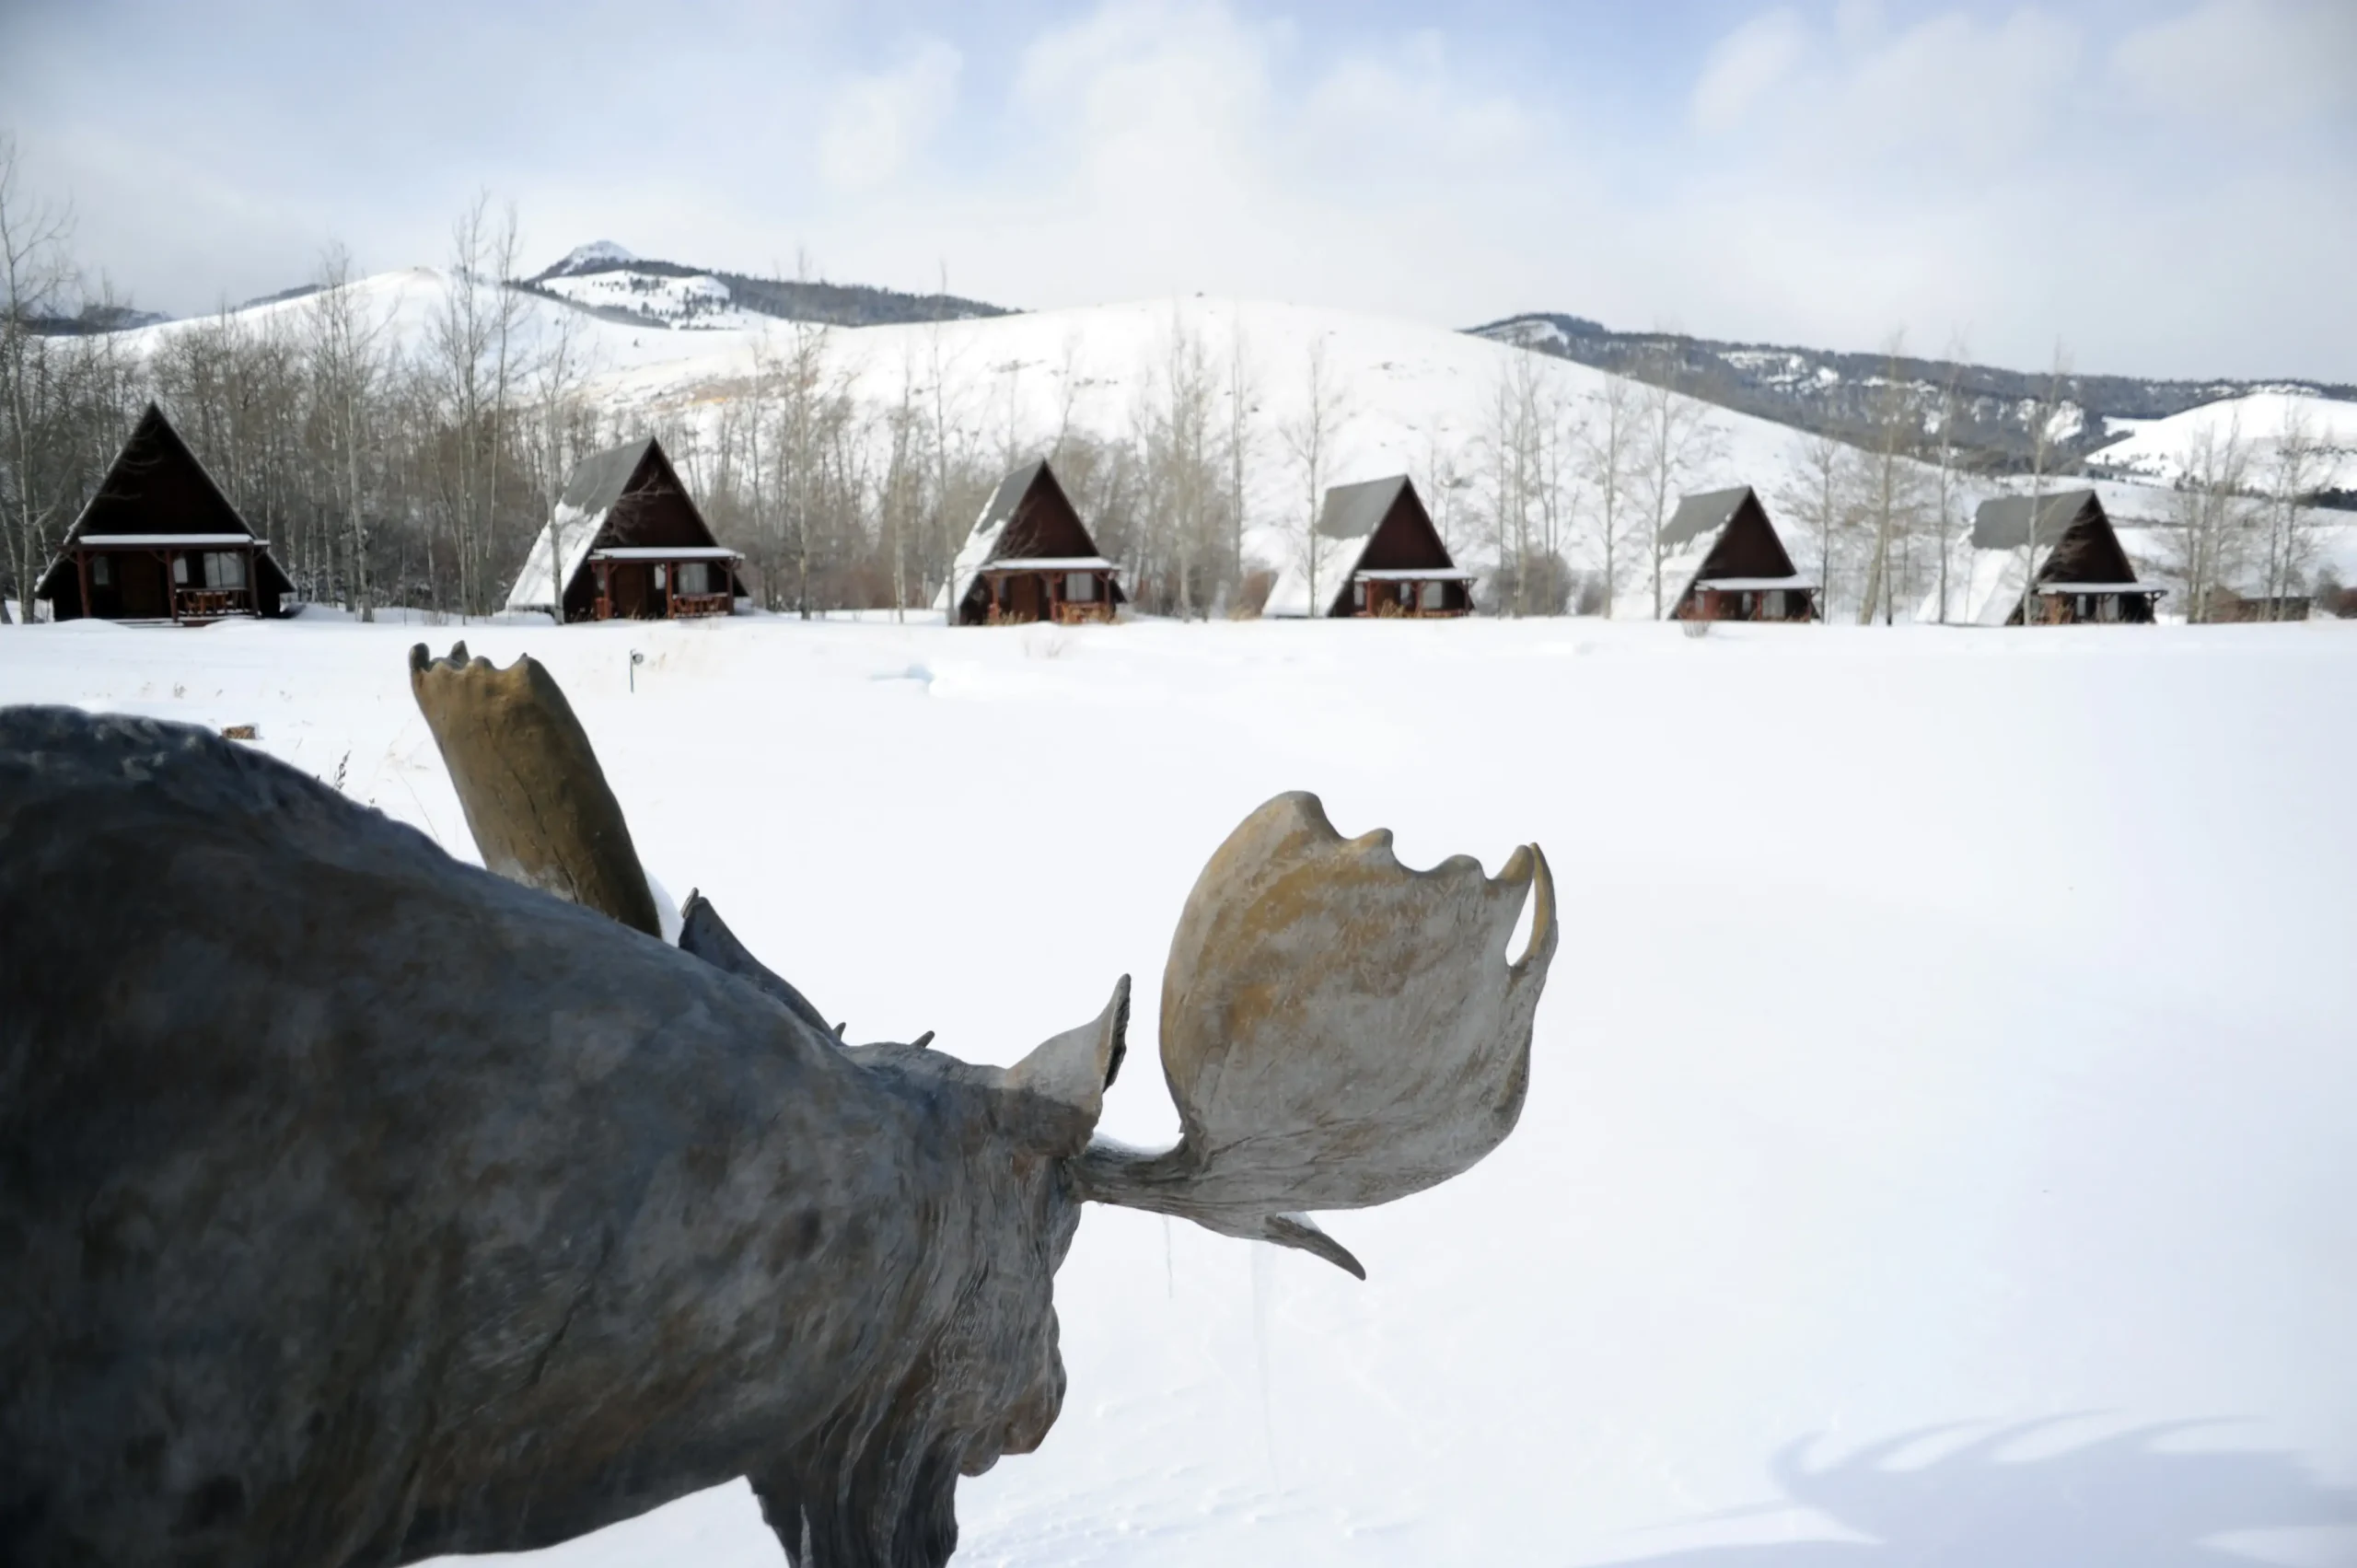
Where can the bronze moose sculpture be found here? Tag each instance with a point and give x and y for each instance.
(358, 1205)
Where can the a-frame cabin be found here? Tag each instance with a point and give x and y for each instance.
(628, 543)
(1723, 560)
(2063, 548)
(1030, 558)
(1378, 555)
(160, 542)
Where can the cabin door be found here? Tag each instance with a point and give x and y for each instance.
(1023, 598)
(139, 580)
(630, 591)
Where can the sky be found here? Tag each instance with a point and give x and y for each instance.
(2144, 187)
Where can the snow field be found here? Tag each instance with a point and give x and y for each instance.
(1950, 1035)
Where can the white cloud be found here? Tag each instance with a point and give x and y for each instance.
(1749, 62)
(877, 123)
(2272, 61)
(1951, 84)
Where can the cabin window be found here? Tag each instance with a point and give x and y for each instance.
(1744, 603)
(1358, 594)
(223, 570)
(180, 571)
(1080, 586)
(662, 578)
(101, 572)
(695, 578)
(1433, 596)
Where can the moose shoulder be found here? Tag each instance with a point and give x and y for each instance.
(358, 1205)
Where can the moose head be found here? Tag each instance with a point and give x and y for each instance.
(380, 1207)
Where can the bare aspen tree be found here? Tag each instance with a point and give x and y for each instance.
(1607, 455)
(35, 272)
(1067, 390)
(1010, 443)
(2210, 512)
(1177, 439)
(2045, 414)
(1516, 437)
(902, 480)
(507, 310)
(1444, 484)
(347, 367)
(564, 366)
(945, 526)
(1887, 478)
(1947, 473)
(459, 338)
(2295, 470)
(1556, 476)
(808, 415)
(1308, 438)
(1816, 498)
(1673, 440)
(1240, 443)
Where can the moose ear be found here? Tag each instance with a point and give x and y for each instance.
(1075, 1068)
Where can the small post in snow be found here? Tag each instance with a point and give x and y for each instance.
(636, 658)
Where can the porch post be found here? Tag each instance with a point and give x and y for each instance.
(82, 571)
(171, 586)
(253, 584)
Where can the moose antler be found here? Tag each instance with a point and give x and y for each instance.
(1337, 1030)
(535, 799)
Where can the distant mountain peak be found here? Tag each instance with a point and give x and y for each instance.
(596, 255)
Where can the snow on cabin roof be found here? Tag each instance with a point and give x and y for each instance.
(591, 492)
(1701, 514)
(1355, 511)
(667, 552)
(1051, 564)
(1412, 575)
(1753, 584)
(169, 540)
(2003, 522)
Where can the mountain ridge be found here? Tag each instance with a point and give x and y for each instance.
(1829, 392)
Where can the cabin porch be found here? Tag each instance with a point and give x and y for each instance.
(2075, 604)
(1750, 599)
(1416, 593)
(664, 583)
(1066, 591)
(188, 579)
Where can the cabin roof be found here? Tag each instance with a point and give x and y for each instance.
(154, 431)
(2003, 521)
(999, 510)
(1355, 511)
(1704, 514)
(598, 480)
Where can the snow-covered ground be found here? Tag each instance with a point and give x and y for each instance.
(1938, 1149)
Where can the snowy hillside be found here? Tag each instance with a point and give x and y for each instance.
(2158, 451)
(697, 301)
(1942, 1163)
(1408, 396)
